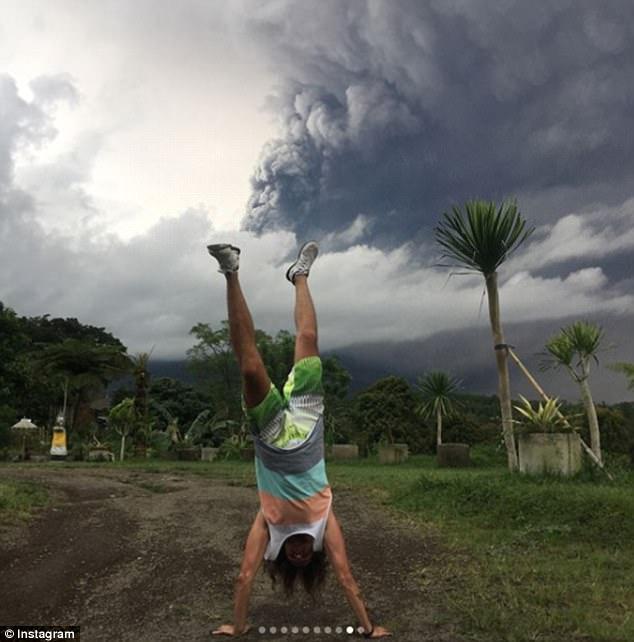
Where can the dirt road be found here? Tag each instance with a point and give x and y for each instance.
(136, 556)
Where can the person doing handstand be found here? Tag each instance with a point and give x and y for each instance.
(295, 531)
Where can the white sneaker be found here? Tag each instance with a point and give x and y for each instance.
(305, 258)
(228, 256)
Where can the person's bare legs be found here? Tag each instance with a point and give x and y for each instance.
(255, 379)
(305, 320)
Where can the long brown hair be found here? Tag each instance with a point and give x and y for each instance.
(312, 576)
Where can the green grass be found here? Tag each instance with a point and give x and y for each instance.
(524, 559)
(529, 559)
(551, 559)
(18, 499)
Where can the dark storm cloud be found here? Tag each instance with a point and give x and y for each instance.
(397, 110)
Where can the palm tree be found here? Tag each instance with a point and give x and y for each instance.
(122, 418)
(83, 366)
(480, 240)
(574, 348)
(438, 391)
(139, 367)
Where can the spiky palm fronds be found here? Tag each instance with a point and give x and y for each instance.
(75, 358)
(481, 238)
(547, 417)
(580, 339)
(438, 390)
(585, 337)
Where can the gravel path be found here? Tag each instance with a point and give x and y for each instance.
(136, 556)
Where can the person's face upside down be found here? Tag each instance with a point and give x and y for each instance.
(299, 549)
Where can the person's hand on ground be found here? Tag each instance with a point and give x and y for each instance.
(230, 629)
(380, 632)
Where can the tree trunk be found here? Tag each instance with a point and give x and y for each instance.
(65, 398)
(591, 411)
(504, 385)
(438, 427)
(545, 397)
(121, 454)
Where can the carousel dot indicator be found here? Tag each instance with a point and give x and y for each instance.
(350, 630)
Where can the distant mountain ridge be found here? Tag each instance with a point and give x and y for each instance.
(468, 355)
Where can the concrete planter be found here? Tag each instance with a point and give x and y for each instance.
(189, 454)
(453, 456)
(208, 454)
(343, 451)
(393, 453)
(555, 453)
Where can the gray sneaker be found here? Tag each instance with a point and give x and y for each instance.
(228, 256)
(305, 258)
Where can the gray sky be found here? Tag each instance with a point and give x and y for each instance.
(132, 133)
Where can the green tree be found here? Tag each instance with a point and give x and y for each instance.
(336, 379)
(122, 419)
(626, 410)
(30, 385)
(139, 367)
(13, 342)
(82, 368)
(617, 433)
(211, 429)
(178, 399)
(338, 422)
(438, 391)
(386, 410)
(480, 240)
(213, 364)
(574, 348)
(44, 330)
(277, 353)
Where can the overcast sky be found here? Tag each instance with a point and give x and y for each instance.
(134, 132)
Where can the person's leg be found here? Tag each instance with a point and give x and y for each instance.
(303, 390)
(305, 320)
(256, 382)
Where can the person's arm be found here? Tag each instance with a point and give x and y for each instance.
(335, 546)
(251, 560)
